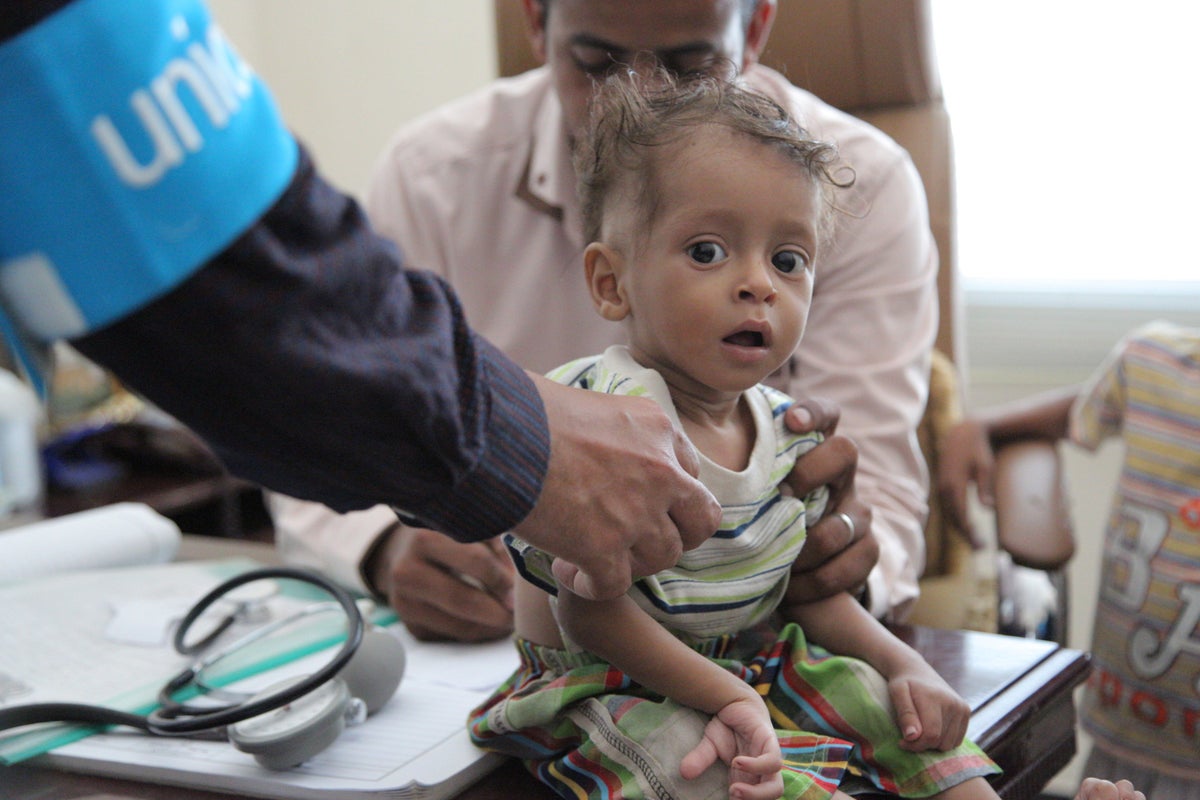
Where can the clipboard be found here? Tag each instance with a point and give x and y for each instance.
(416, 746)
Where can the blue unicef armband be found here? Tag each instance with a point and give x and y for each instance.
(136, 146)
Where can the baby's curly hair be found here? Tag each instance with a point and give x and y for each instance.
(632, 114)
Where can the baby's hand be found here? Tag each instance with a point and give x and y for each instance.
(1096, 789)
(742, 736)
(930, 715)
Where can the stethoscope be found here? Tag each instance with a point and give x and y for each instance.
(283, 725)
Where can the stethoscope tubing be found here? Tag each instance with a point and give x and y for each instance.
(173, 718)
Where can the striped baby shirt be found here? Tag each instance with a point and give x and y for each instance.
(737, 578)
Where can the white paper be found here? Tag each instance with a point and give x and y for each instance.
(482, 666)
(52, 633)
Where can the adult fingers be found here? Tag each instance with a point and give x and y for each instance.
(695, 517)
(965, 458)
(442, 589)
(838, 556)
(813, 414)
(695, 513)
(432, 624)
(442, 607)
(841, 529)
(485, 566)
(597, 580)
(617, 500)
(831, 463)
(846, 573)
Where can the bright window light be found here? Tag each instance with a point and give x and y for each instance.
(1077, 142)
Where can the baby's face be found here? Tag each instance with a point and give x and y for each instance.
(720, 285)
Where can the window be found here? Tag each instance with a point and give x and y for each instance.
(1077, 145)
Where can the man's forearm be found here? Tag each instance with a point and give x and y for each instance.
(319, 368)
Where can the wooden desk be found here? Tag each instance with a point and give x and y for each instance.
(1020, 691)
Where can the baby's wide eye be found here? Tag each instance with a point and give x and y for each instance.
(788, 261)
(706, 252)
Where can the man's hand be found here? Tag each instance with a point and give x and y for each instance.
(620, 499)
(813, 414)
(442, 589)
(837, 555)
(965, 457)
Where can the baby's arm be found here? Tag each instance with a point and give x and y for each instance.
(740, 733)
(929, 713)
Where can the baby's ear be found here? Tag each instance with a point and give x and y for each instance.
(602, 265)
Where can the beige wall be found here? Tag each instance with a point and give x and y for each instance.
(347, 74)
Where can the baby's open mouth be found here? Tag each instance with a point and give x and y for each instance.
(745, 339)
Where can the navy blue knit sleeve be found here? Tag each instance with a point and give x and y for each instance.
(316, 365)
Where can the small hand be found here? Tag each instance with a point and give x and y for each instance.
(442, 589)
(930, 715)
(965, 457)
(741, 735)
(1097, 789)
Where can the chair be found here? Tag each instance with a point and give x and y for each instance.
(875, 59)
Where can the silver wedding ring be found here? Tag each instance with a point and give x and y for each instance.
(844, 517)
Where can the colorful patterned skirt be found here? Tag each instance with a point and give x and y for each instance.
(587, 731)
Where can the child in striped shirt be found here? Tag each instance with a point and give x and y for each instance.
(1142, 701)
(705, 207)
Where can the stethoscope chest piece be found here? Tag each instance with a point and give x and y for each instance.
(291, 734)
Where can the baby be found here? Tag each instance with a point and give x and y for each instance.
(705, 206)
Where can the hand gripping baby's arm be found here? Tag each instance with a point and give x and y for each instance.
(929, 714)
(740, 733)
